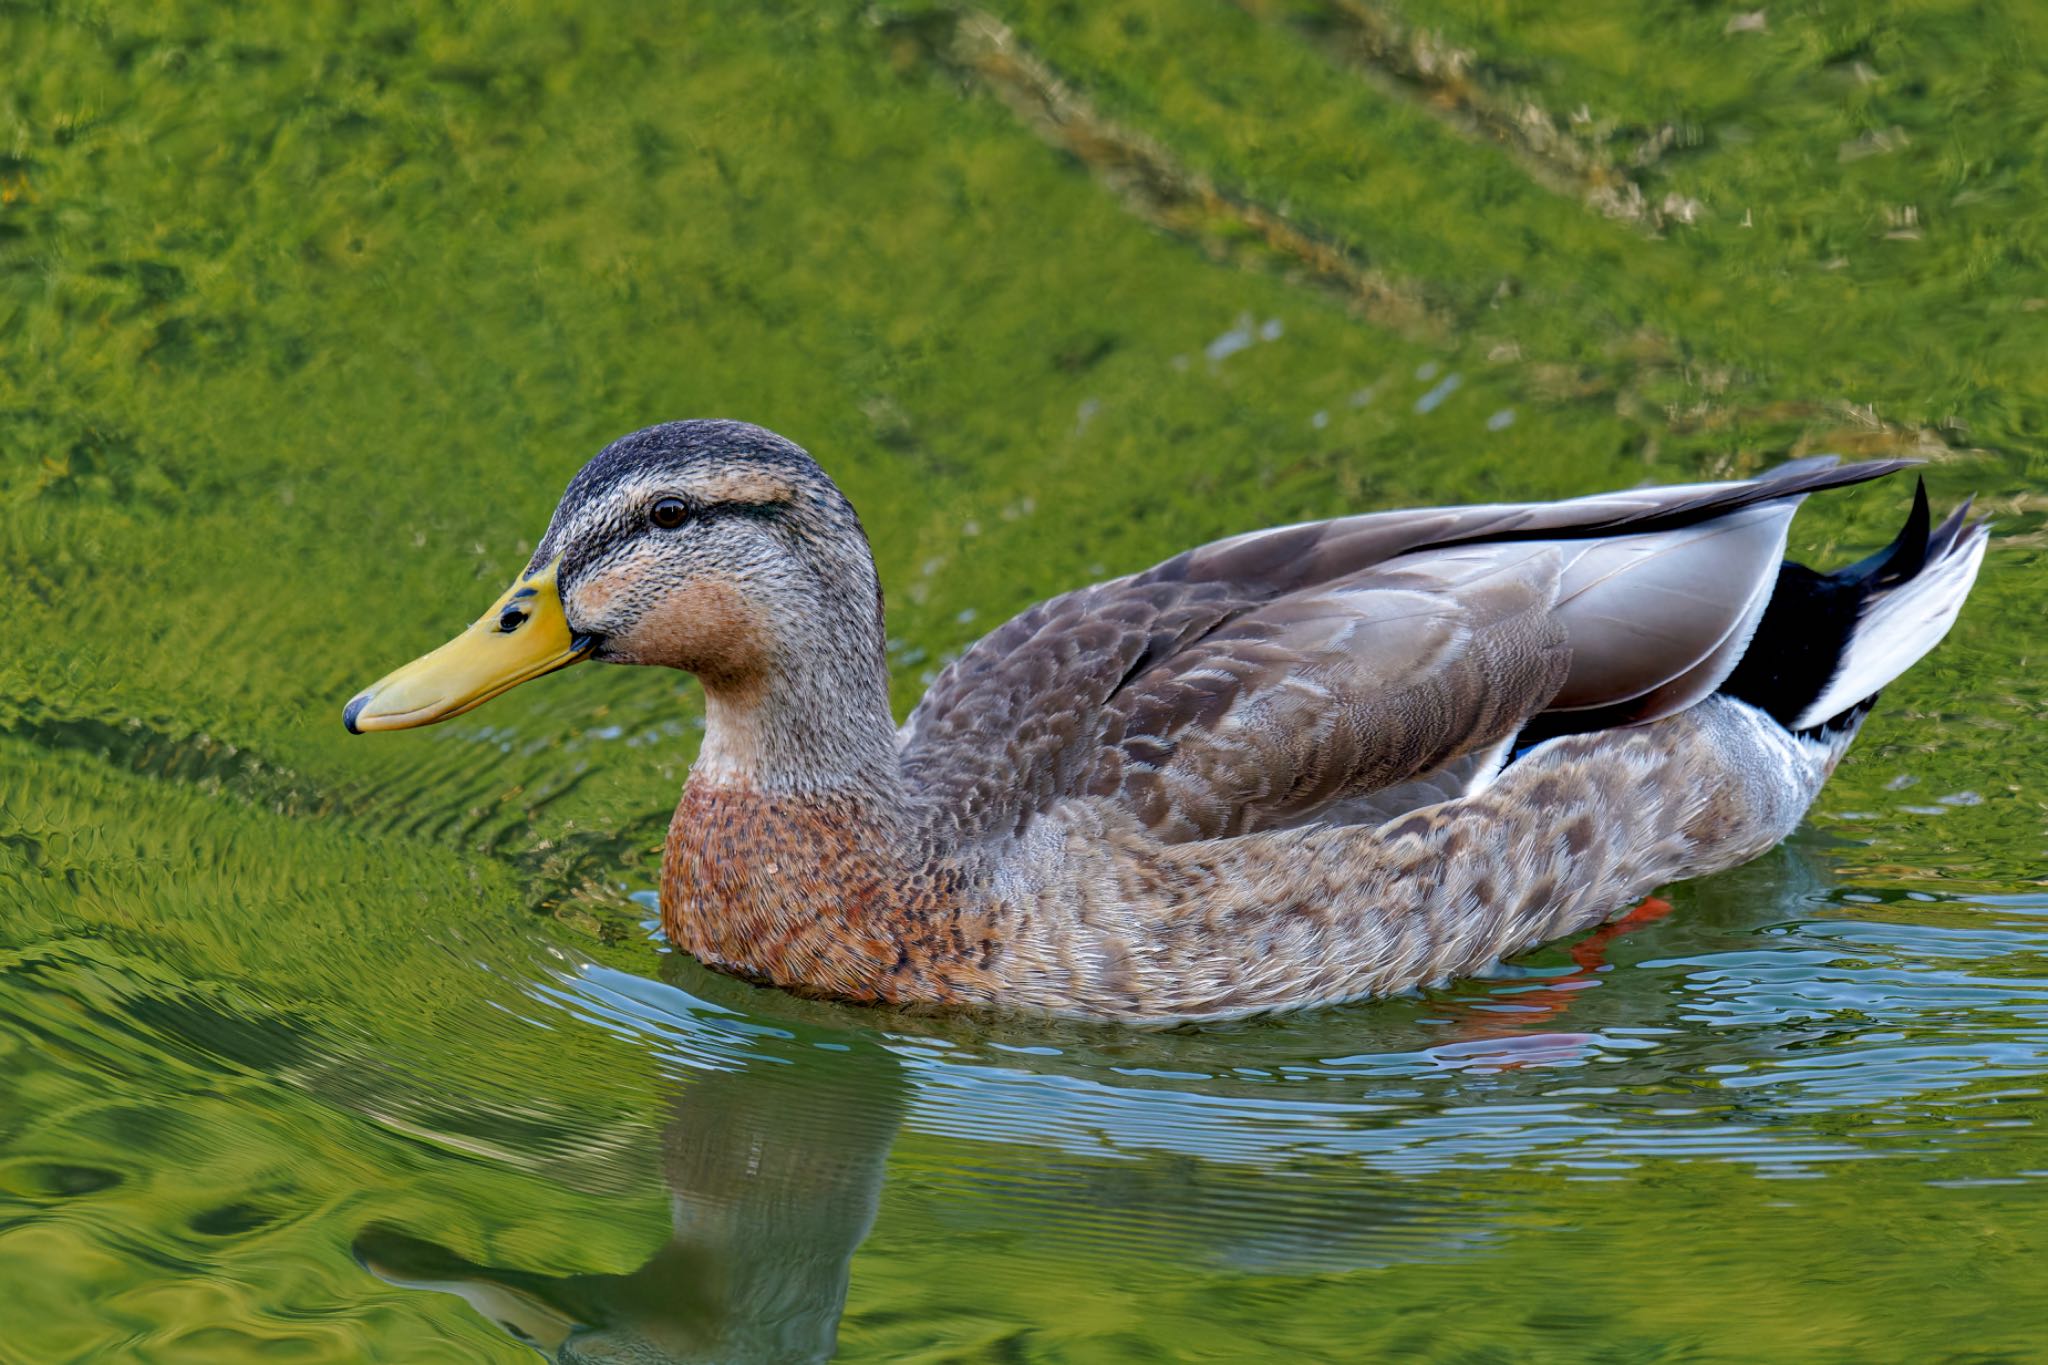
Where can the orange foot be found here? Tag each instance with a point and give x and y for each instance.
(1590, 952)
(1516, 1044)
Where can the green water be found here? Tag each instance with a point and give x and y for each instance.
(307, 312)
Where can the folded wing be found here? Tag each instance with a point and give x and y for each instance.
(1284, 677)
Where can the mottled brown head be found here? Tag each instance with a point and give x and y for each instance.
(715, 547)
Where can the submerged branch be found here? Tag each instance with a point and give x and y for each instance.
(1572, 157)
(1148, 179)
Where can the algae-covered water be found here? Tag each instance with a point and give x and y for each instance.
(327, 1049)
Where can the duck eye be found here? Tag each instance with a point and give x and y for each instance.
(669, 513)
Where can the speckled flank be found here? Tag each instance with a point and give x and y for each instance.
(1573, 833)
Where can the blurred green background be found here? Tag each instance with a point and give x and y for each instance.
(307, 313)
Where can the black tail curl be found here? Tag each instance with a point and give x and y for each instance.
(1804, 635)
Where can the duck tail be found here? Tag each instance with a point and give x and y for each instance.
(1828, 643)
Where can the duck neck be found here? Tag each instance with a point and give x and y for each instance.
(791, 855)
(814, 726)
(784, 861)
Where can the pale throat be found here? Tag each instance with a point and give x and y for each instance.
(804, 726)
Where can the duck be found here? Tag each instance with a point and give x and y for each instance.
(1296, 767)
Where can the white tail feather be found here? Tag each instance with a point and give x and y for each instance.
(1899, 626)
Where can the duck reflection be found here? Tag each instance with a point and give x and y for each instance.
(775, 1172)
(771, 1189)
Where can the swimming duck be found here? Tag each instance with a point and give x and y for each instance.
(1299, 766)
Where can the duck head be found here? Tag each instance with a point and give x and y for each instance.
(714, 547)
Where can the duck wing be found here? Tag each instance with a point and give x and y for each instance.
(1284, 677)
(1294, 707)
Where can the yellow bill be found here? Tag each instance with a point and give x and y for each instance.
(522, 636)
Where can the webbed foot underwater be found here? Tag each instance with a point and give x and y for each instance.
(1295, 767)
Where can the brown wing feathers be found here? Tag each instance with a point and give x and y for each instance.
(1317, 696)
(1252, 682)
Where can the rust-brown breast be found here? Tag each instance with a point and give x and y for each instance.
(809, 894)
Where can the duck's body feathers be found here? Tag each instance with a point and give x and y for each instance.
(1231, 784)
